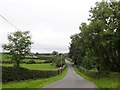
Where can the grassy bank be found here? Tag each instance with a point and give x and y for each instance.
(103, 82)
(35, 66)
(35, 83)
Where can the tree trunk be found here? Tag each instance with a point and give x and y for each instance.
(17, 63)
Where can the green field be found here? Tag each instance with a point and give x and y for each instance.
(35, 83)
(35, 66)
(4, 57)
(103, 82)
(36, 60)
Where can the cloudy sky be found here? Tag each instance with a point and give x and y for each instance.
(51, 22)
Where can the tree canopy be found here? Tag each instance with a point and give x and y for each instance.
(19, 45)
(97, 44)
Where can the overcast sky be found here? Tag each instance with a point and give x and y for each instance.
(51, 22)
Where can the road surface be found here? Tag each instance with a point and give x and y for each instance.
(71, 80)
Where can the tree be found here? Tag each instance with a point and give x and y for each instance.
(55, 53)
(99, 41)
(76, 51)
(18, 46)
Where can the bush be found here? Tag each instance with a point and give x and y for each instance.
(9, 62)
(89, 73)
(47, 61)
(17, 74)
(88, 62)
(30, 62)
(45, 57)
(58, 61)
(95, 74)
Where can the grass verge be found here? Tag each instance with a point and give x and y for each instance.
(34, 83)
(103, 82)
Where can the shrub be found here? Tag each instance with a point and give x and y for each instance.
(30, 62)
(47, 61)
(96, 74)
(93, 74)
(17, 74)
(9, 62)
(88, 62)
(58, 61)
(45, 57)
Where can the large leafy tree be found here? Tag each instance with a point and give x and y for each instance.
(100, 39)
(106, 19)
(18, 46)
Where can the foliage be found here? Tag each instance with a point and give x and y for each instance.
(48, 61)
(88, 62)
(55, 53)
(18, 46)
(34, 83)
(26, 61)
(35, 66)
(45, 57)
(98, 41)
(31, 62)
(17, 74)
(109, 81)
(58, 61)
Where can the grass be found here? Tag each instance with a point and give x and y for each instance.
(4, 57)
(103, 82)
(35, 66)
(35, 83)
(36, 60)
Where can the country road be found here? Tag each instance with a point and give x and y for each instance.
(71, 80)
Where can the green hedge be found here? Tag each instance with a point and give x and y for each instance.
(89, 73)
(45, 57)
(95, 74)
(26, 62)
(31, 62)
(17, 74)
(8, 62)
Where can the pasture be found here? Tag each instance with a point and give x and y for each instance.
(35, 66)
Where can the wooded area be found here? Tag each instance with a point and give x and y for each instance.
(97, 44)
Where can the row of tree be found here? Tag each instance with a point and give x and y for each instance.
(98, 43)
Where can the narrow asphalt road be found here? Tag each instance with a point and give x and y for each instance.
(71, 80)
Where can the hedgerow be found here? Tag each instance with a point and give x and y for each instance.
(18, 74)
(96, 74)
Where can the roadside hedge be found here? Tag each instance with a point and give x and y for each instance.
(95, 74)
(89, 73)
(18, 74)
